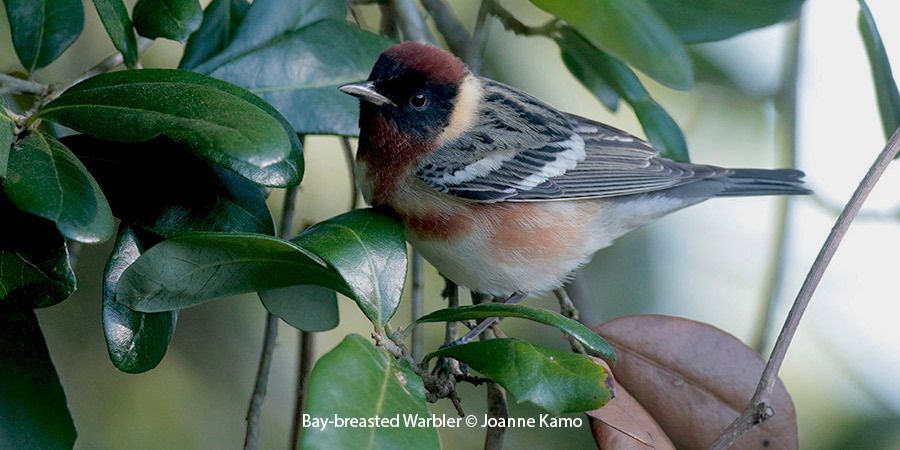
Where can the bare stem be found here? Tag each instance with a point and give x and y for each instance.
(417, 300)
(496, 396)
(251, 439)
(758, 410)
(786, 105)
(411, 22)
(305, 358)
(568, 309)
(13, 85)
(475, 49)
(449, 25)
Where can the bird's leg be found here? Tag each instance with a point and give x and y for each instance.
(485, 323)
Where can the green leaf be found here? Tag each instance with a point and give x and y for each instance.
(712, 20)
(119, 28)
(279, 72)
(579, 66)
(360, 254)
(357, 380)
(136, 341)
(583, 334)
(34, 263)
(43, 29)
(33, 410)
(218, 121)
(661, 129)
(7, 137)
(369, 251)
(267, 20)
(170, 19)
(219, 200)
(308, 308)
(220, 20)
(559, 382)
(883, 77)
(47, 180)
(629, 30)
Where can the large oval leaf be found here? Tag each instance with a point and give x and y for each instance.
(219, 200)
(308, 308)
(681, 370)
(170, 19)
(559, 382)
(268, 20)
(207, 115)
(592, 64)
(633, 32)
(882, 75)
(45, 179)
(34, 262)
(220, 20)
(583, 334)
(33, 410)
(119, 28)
(357, 380)
(357, 254)
(712, 20)
(281, 72)
(43, 29)
(136, 341)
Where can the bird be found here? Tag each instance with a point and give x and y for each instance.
(501, 192)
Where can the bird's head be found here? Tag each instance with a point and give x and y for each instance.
(418, 91)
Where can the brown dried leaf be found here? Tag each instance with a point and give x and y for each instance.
(623, 424)
(695, 379)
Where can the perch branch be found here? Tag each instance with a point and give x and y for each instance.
(475, 49)
(411, 21)
(758, 410)
(568, 309)
(305, 359)
(449, 25)
(11, 84)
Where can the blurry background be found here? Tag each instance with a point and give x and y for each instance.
(710, 262)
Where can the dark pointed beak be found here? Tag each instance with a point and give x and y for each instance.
(365, 90)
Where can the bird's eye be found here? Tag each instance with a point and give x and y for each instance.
(418, 101)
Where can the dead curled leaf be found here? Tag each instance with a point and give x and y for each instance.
(623, 424)
(694, 379)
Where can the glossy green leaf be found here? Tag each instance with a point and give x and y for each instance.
(7, 137)
(661, 129)
(360, 254)
(559, 382)
(119, 28)
(170, 19)
(356, 380)
(219, 200)
(308, 308)
(712, 20)
(279, 72)
(631, 31)
(34, 262)
(883, 77)
(45, 179)
(43, 29)
(33, 410)
(583, 334)
(268, 20)
(218, 121)
(136, 341)
(580, 67)
(369, 251)
(220, 20)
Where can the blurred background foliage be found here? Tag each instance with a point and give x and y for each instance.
(708, 263)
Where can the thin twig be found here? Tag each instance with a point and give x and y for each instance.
(417, 301)
(496, 397)
(758, 410)
(305, 358)
(568, 309)
(516, 26)
(251, 439)
(786, 105)
(13, 85)
(449, 25)
(348, 154)
(411, 21)
(475, 49)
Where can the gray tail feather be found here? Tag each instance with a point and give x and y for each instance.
(744, 182)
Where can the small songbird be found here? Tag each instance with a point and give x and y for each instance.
(504, 194)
